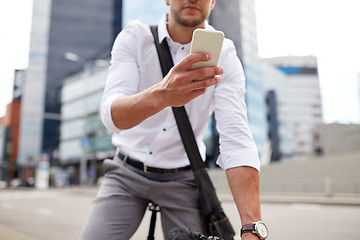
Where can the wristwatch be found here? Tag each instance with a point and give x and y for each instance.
(259, 228)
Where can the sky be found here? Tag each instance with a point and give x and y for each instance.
(327, 29)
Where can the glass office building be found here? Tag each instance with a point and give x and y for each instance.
(84, 27)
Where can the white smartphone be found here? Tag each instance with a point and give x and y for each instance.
(209, 42)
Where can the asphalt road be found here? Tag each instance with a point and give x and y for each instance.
(59, 214)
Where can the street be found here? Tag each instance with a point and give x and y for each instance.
(58, 214)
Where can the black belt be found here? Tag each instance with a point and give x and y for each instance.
(139, 165)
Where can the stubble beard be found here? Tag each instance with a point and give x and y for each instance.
(189, 23)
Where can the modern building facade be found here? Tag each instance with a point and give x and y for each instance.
(84, 27)
(280, 132)
(299, 107)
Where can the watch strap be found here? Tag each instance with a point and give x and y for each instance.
(247, 228)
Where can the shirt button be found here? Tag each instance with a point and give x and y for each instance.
(164, 129)
(150, 153)
(183, 48)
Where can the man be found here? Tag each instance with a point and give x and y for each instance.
(136, 106)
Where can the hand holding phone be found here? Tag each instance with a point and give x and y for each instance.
(209, 42)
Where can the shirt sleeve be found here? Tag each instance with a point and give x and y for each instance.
(123, 76)
(237, 147)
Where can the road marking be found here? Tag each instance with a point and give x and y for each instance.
(45, 211)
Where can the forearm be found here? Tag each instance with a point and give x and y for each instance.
(244, 185)
(176, 89)
(129, 111)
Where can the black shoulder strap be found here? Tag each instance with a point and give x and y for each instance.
(181, 117)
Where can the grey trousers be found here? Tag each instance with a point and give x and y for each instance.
(123, 197)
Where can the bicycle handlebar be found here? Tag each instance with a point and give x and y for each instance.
(178, 233)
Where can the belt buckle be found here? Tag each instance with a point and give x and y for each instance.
(146, 169)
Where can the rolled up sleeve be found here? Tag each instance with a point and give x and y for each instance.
(123, 76)
(237, 147)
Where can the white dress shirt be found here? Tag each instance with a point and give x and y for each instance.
(156, 141)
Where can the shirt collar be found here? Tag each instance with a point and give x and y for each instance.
(163, 32)
(162, 28)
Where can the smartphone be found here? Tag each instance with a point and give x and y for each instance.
(209, 42)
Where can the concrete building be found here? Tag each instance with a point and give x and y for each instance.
(86, 28)
(335, 138)
(295, 82)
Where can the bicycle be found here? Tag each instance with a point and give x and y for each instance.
(176, 233)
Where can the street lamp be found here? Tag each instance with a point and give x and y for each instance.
(73, 57)
(85, 64)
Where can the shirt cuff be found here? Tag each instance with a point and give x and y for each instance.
(238, 158)
(105, 114)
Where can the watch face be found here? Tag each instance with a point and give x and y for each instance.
(262, 230)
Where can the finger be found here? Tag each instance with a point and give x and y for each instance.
(203, 73)
(196, 93)
(192, 58)
(206, 83)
